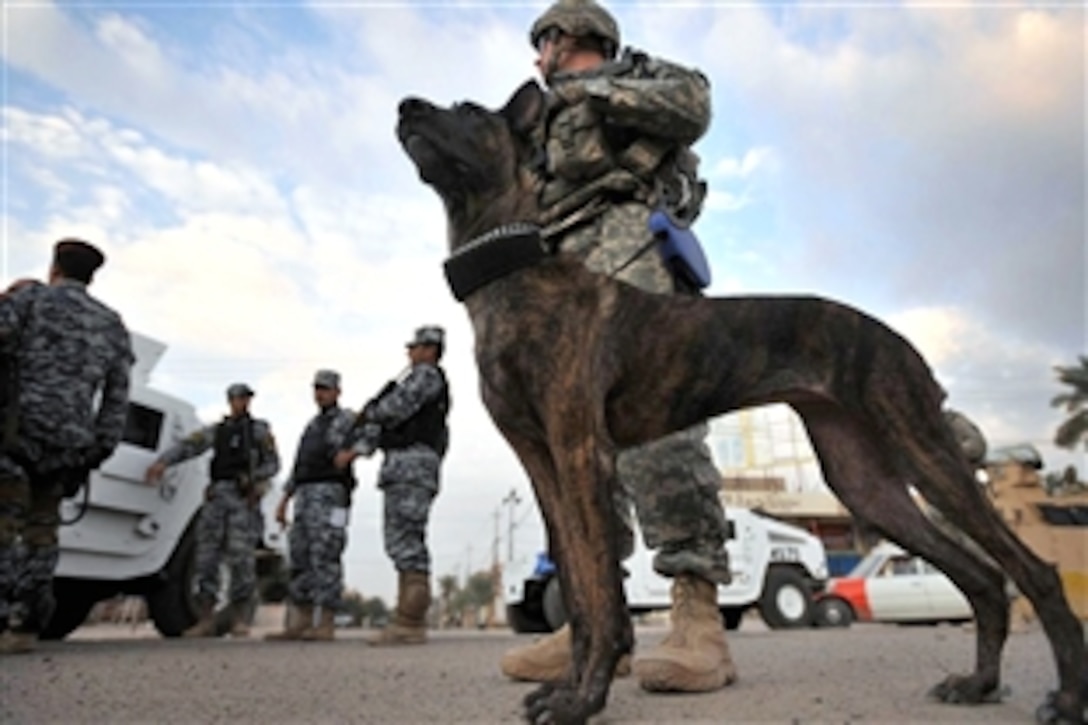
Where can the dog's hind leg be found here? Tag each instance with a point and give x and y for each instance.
(576, 502)
(868, 481)
(1036, 579)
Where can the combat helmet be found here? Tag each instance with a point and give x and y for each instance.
(578, 18)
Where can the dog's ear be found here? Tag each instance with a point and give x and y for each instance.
(523, 110)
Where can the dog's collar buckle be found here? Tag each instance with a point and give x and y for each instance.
(491, 256)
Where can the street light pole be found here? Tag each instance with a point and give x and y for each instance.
(511, 500)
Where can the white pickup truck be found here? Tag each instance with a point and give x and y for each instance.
(132, 538)
(776, 567)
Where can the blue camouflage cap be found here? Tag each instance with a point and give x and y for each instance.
(428, 335)
(240, 390)
(327, 379)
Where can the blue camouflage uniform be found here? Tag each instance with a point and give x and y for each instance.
(408, 422)
(226, 528)
(65, 348)
(322, 496)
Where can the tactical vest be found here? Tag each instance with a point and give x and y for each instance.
(233, 443)
(427, 426)
(314, 462)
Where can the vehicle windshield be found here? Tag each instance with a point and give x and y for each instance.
(868, 565)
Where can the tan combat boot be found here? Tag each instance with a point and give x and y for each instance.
(694, 656)
(325, 631)
(13, 643)
(409, 624)
(548, 659)
(239, 620)
(205, 626)
(299, 619)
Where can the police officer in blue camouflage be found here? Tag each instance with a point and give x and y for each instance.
(67, 359)
(407, 420)
(322, 495)
(243, 461)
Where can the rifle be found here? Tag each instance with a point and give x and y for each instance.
(248, 485)
(367, 410)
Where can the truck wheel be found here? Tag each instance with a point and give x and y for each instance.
(171, 604)
(786, 602)
(731, 617)
(75, 599)
(833, 612)
(555, 611)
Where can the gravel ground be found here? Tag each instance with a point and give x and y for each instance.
(865, 674)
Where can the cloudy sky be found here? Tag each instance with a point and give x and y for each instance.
(924, 161)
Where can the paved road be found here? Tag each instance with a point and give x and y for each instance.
(867, 674)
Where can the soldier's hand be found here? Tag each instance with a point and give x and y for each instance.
(570, 92)
(18, 285)
(154, 472)
(344, 458)
(281, 513)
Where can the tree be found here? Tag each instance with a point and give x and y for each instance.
(1075, 427)
(372, 612)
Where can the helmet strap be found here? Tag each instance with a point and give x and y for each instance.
(553, 35)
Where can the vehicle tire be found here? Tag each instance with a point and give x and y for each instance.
(731, 617)
(522, 622)
(555, 611)
(75, 599)
(171, 603)
(786, 602)
(833, 612)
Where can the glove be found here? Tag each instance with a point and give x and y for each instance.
(570, 92)
(574, 91)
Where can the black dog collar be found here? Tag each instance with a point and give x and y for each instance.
(492, 256)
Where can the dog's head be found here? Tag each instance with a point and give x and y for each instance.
(476, 159)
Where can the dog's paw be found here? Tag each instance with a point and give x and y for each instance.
(1054, 711)
(966, 690)
(556, 705)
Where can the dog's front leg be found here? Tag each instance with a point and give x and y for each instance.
(573, 486)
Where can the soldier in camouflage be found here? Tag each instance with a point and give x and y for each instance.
(617, 135)
(322, 494)
(62, 349)
(244, 459)
(407, 420)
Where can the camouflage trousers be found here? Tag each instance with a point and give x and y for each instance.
(672, 482)
(28, 545)
(225, 532)
(316, 540)
(407, 510)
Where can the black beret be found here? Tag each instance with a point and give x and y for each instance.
(77, 254)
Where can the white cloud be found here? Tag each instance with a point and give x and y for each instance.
(753, 160)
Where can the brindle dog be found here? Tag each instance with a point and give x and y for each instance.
(575, 366)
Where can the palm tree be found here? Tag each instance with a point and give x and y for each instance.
(1075, 427)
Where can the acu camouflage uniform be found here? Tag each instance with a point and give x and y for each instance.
(409, 475)
(227, 527)
(616, 141)
(66, 348)
(322, 498)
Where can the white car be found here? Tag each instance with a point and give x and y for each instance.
(890, 585)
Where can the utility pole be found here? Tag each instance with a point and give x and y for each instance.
(495, 538)
(512, 500)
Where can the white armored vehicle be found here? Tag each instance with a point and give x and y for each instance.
(777, 569)
(139, 539)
